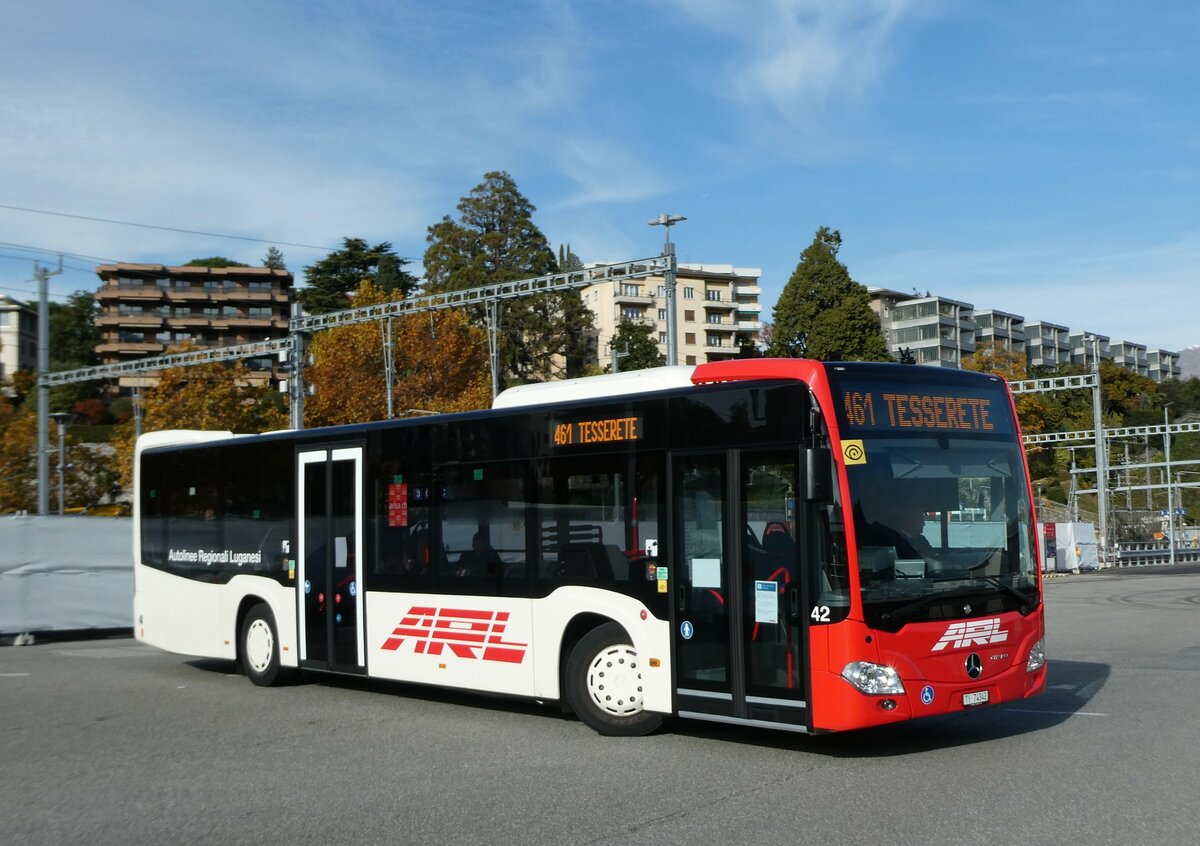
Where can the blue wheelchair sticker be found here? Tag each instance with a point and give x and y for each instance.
(307, 586)
(927, 695)
(354, 588)
(686, 630)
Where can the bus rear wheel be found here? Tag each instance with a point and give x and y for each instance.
(604, 684)
(259, 648)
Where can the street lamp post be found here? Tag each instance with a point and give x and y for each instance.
(667, 221)
(1170, 498)
(64, 421)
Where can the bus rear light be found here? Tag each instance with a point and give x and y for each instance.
(872, 679)
(1037, 657)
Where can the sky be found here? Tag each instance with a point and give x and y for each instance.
(1040, 158)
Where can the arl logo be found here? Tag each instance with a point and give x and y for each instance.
(478, 635)
(973, 633)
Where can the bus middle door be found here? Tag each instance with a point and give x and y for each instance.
(329, 559)
(740, 636)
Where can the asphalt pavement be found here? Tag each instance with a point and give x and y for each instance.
(108, 741)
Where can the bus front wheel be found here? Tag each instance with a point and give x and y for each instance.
(604, 684)
(260, 648)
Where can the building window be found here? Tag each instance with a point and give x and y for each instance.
(689, 293)
(712, 340)
(229, 311)
(129, 310)
(662, 337)
(183, 285)
(691, 359)
(662, 314)
(712, 317)
(689, 316)
(131, 337)
(660, 291)
(689, 337)
(259, 285)
(260, 311)
(631, 313)
(628, 290)
(712, 295)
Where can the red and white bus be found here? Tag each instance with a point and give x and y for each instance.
(781, 543)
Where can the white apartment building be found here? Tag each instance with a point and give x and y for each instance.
(18, 338)
(1047, 344)
(942, 332)
(934, 330)
(717, 310)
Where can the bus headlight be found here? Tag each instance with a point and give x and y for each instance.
(1037, 657)
(872, 679)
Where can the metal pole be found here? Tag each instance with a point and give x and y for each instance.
(296, 375)
(388, 372)
(62, 463)
(667, 221)
(1101, 456)
(493, 318)
(1170, 499)
(43, 397)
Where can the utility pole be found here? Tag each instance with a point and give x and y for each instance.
(1101, 453)
(296, 373)
(1170, 499)
(616, 356)
(493, 322)
(43, 368)
(389, 371)
(667, 221)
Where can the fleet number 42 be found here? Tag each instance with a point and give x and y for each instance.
(820, 613)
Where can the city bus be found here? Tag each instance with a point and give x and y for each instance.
(783, 543)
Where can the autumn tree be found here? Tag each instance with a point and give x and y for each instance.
(636, 347)
(439, 361)
(495, 240)
(822, 313)
(212, 397)
(330, 282)
(90, 475)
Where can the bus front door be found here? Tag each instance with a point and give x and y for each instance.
(740, 636)
(329, 559)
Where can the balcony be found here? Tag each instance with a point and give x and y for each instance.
(749, 325)
(115, 293)
(638, 299)
(139, 320)
(130, 347)
(747, 291)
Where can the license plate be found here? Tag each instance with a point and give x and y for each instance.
(977, 698)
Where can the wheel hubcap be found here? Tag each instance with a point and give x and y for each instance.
(614, 681)
(260, 646)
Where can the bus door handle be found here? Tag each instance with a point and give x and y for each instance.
(793, 594)
(681, 597)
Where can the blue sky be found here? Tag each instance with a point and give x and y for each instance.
(1042, 158)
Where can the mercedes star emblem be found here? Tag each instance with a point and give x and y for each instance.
(974, 665)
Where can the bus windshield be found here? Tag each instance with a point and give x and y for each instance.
(939, 499)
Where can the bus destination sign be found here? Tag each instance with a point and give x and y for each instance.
(937, 409)
(600, 431)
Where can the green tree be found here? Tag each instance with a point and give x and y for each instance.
(274, 259)
(495, 240)
(215, 261)
(332, 280)
(73, 341)
(567, 260)
(636, 347)
(822, 313)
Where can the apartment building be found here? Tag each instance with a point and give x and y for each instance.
(1162, 364)
(18, 338)
(1047, 344)
(149, 309)
(717, 310)
(942, 332)
(934, 330)
(1000, 327)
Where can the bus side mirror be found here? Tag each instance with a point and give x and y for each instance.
(818, 475)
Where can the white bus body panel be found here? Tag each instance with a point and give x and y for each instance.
(191, 617)
(502, 644)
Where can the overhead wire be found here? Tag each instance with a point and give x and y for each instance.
(164, 228)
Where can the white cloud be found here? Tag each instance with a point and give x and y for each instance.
(793, 55)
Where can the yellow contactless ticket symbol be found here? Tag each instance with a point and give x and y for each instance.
(853, 452)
